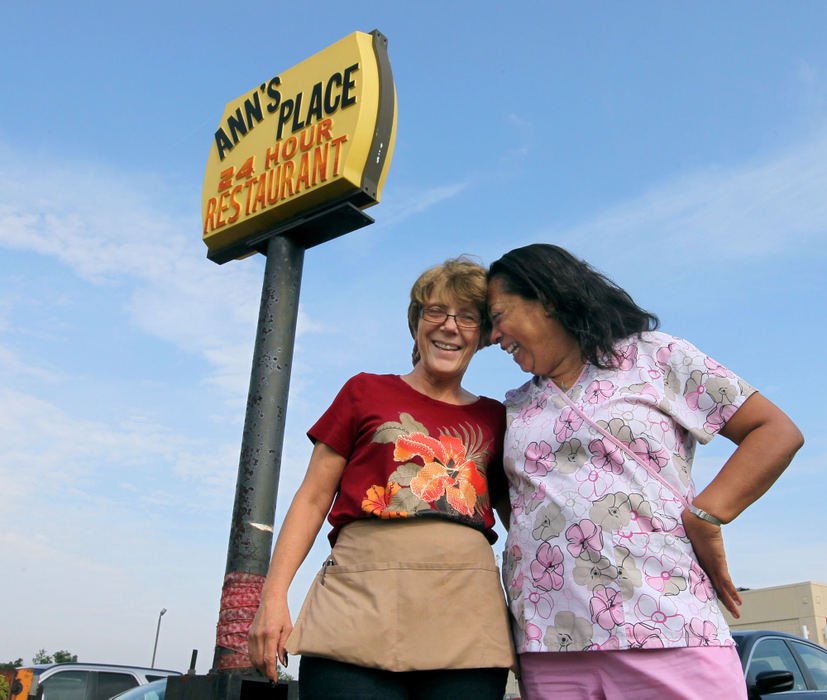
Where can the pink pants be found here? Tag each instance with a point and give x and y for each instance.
(633, 674)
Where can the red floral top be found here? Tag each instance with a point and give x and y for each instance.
(411, 456)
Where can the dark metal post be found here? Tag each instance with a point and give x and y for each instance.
(157, 632)
(251, 535)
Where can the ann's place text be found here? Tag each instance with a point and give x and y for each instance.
(294, 113)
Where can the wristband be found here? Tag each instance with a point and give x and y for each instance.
(703, 515)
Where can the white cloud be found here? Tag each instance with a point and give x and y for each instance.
(405, 205)
(121, 504)
(813, 89)
(45, 452)
(108, 230)
(522, 134)
(771, 206)
(12, 365)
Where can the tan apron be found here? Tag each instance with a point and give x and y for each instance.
(407, 595)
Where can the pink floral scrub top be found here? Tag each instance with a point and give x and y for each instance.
(596, 556)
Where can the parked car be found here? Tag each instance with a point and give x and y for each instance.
(775, 662)
(79, 681)
(151, 691)
(200, 686)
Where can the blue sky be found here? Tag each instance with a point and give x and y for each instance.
(680, 148)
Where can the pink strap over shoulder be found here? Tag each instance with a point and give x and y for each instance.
(637, 458)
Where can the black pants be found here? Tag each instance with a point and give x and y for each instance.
(333, 680)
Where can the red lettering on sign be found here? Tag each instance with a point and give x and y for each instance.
(223, 205)
(337, 143)
(246, 171)
(226, 179)
(273, 192)
(304, 172)
(287, 178)
(323, 130)
(288, 150)
(249, 185)
(306, 132)
(320, 163)
(292, 166)
(261, 192)
(272, 157)
(209, 219)
(235, 204)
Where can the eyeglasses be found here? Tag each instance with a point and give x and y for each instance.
(433, 314)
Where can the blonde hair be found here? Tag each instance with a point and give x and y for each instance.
(460, 278)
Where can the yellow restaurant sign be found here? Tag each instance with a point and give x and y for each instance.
(314, 136)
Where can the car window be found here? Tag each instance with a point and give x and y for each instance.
(110, 684)
(66, 685)
(816, 662)
(773, 655)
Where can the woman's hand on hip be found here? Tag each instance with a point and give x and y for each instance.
(708, 543)
(268, 634)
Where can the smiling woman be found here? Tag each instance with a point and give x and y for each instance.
(448, 321)
(609, 548)
(409, 468)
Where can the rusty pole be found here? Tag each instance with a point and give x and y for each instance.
(251, 530)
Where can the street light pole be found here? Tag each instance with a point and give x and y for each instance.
(157, 632)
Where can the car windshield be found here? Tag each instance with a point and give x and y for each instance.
(151, 691)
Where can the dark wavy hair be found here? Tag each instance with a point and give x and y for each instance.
(588, 304)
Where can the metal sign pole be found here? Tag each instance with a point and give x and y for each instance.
(251, 531)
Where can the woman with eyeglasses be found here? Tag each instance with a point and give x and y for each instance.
(406, 469)
(611, 557)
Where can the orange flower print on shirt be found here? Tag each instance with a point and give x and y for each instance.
(378, 499)
(448, 479)
(462, 498)
(431, 481)
(447, 471)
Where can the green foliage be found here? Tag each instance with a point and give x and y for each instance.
(4, 688)
(59, 657)
(17, 663)
(41, 657)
